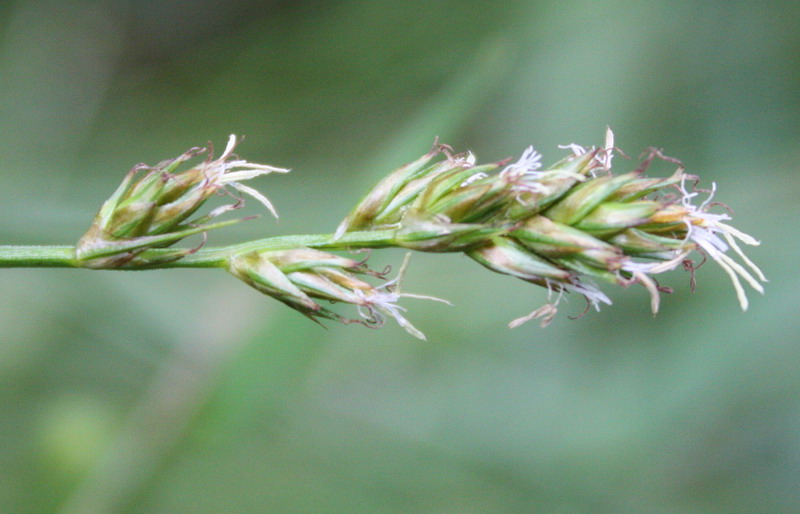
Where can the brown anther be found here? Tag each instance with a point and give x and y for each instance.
(689, 265)
(621, 153)
(663, 289)
(652, 153)
(695, 189)
(585, 311)
(724, 206)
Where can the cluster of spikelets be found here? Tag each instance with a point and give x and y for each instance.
(300, 277)
(564, 227)
(152, 207)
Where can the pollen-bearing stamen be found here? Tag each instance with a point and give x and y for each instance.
(603, 155)
(547, 312)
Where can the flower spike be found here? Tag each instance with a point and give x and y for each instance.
(154, 211)
(569, 227)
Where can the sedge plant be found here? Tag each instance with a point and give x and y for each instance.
(565, 227)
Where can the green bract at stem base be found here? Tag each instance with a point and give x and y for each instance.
(214, 257)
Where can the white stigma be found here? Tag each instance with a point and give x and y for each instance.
(704, 228)
(223, 171)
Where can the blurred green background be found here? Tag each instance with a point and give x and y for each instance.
(185, 391)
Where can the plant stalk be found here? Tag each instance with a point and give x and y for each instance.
(214, 257)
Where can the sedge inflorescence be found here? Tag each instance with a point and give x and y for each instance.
(301, 277)
(566, 227)
(153, 205)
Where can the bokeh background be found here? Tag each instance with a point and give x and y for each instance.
(185, 391)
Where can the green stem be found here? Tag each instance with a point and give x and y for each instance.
(214, 257)
(38, 257)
